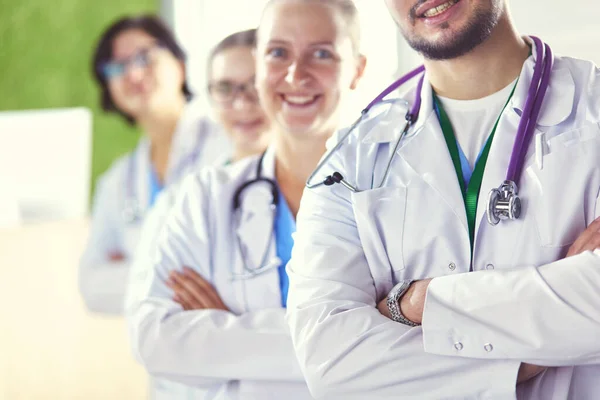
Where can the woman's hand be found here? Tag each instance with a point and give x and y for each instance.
(193, 292)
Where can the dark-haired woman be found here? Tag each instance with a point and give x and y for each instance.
(141, 73)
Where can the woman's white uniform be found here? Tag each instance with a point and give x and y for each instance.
(243, 354)
(197, 142)
(351, 249)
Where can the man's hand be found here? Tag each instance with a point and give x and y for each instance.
(116, 256)
(413, 301)
(588, 240)
(193, 292)
(528, 371)
(383, 308)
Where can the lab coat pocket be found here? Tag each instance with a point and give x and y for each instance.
(380, 215)
(569, 172)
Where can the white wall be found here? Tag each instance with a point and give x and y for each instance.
(201, 24)
(570, 27)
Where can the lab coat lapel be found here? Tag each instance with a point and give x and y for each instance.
(136, 185)
(186, 144)
(494, 174)
(256, 238)
(559, 100)
(142, 171)
(426, 152)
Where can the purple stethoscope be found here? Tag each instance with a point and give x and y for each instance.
(503, 202)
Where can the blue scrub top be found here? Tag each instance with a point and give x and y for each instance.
(464, 164)
(154, 185)
(285, 226)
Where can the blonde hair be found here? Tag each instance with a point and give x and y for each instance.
(346, 8)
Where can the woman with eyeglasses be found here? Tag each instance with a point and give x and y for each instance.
(140, 69)
(211, 314)
(232, 94)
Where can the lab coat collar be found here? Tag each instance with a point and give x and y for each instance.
(560, 96)
(268, 165)
(187, 143)
(184, 151)
(561, 91)
(384, 123)
(186, 147)
(256, 235)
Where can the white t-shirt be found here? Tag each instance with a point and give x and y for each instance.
(473, 120)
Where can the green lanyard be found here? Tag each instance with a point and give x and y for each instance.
(471, 191)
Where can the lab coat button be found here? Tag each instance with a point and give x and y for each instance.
(488, 347)
(452, 266)
(489, 266)
(458, 346)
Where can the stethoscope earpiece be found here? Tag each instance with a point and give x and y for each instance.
(336, 177)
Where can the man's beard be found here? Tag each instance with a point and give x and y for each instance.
(477, 31)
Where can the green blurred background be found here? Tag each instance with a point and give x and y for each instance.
(45, 52)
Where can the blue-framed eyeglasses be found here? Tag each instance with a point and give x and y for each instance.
(116, 69)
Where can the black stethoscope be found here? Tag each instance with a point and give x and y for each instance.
(252, 271)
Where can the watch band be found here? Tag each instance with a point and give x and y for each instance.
(393, 303)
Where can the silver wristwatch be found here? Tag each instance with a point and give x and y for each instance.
(393, 303)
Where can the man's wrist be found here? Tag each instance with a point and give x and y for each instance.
(406, 306)
(412, 303)
(394, 301)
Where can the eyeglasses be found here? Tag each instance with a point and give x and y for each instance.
(116, 69)
(224, 92)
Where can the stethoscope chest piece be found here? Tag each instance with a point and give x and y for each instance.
(503, 203)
